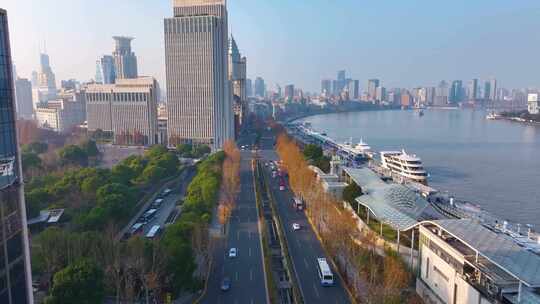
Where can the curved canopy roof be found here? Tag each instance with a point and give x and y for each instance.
(393, 204)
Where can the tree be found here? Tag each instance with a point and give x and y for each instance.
(351, 192)
(73, 155)
(313, 152)
(36, 147)
(30, 160)
(80, 282)
(90, 147)
(152, 174)
(201, 150)
(184, 150)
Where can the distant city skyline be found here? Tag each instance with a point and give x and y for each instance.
(400, 49)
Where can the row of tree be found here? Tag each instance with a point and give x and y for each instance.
(385, 278)
(231, 181)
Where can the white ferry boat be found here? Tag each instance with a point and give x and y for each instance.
(360, 151)
(492, 116)
(406, 165)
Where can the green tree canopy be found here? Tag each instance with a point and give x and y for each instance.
(30, 160)
(73, 155)
(201, 150)
(312, 152)
(351, 192)
(184, 150)
(80, 282)
(90, 147)
(36, 147)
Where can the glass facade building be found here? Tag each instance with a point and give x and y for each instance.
(15, 276)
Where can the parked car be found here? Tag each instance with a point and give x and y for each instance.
(296, 226)
(232, 252)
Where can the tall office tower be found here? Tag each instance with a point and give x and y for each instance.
(493, 89)
(199, 101)
(473, 90)
(441, 94)
(249, 87)
(46, 86)
(373, 84)
(487, 90)
(105, 70)
(260, 87)
(237, 76)
(125, 61)
(456, 92)
(15, 271)
(353, 87)
(326, 86)
(289, 91)
(341, 82)
(34, 79)
(23, 90)
(381, 94)
(128, 109)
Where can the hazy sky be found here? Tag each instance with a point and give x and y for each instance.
(403, 42)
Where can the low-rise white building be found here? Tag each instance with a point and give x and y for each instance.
(462, 261)
(63, 114)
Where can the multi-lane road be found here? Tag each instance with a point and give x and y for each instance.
(246, 270)
(304, 246)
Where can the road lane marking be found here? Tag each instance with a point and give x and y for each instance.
(236, 276)
(249, 251)
(298, 242)
(251, 301)
(316, 291)
(238, 235)
(251, 274)
(306, 263)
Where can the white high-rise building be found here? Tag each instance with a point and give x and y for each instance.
(199, 99)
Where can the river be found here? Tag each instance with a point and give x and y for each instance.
(495, 164)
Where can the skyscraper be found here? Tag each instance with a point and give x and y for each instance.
(353, 87)
(456, 92)
(441, 94)
(289, 91)
(46, 81)
(23, 90)
(105, 70)
(473, 90)
(15, 271)
(249, 87)
(125, 61)
(341, 82)
(493, 89)
(326, 86)
(199, 101)
(373, 84)
(237, 76)
(260, 87)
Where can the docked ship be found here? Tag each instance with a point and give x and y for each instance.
(408, 166)
(360, 151)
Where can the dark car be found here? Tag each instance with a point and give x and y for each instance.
(226, 284)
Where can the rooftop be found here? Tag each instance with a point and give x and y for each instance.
(497, 247)
(393, 204)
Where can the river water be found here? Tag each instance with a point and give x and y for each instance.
(495, 164)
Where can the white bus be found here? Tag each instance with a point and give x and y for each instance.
(325, 273)
(154, 231)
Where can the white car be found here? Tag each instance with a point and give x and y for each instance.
(232, 252)
(296, 226)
